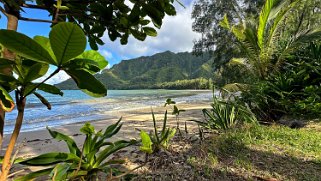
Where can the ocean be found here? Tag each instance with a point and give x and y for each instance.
(75, 106)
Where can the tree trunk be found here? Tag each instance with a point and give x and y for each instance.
(6, 164)
(12, 24)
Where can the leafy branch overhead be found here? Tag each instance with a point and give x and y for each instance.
(119, 18)
(65, 49)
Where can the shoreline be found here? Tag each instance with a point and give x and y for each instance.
(39, 141)
(97, 109)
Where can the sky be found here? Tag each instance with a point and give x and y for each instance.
(175, 35)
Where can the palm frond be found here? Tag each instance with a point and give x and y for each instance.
(263, 19)
(278, 14)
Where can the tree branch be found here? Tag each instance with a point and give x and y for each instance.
(3, 11)
(35, 20)
(34, 6)
(50, 76)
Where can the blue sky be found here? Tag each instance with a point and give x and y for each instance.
(175, 35)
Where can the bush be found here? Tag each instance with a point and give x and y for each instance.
(226, 114)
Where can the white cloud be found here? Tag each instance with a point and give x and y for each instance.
(175, 35)
(61, 76)
(106, 54)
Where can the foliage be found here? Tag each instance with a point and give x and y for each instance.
(155, 141)
(176, 112)
(294, 90)
(119, 18)
(226, 114)
(270, 45)
(165, 70)
(79, 163)
(64, 49)
(207, 15)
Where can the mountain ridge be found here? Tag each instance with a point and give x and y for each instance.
(151, 71)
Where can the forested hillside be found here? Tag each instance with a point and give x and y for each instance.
(156, 71)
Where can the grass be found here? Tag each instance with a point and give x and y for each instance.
(246, 153)
(263, 153)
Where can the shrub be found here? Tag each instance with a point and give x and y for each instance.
(226, 114)
(79, 163)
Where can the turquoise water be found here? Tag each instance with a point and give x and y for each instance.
(75, 106)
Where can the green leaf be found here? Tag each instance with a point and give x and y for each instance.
(5, 63)
(35, 71)
(96, 57)
(73, 148)
(170, 10)
(45, 43)
(112, 129)
(225, 23)
(33, 175)
(138, 35)
(155, 126)
(8, 82)
(175, 111)
(50, 89)
(88, 129)
(147, 144)
(6, 101)
(112, 149)
(164, 122)
(43, 100)
(67, 41)
(24, 46)
(263, 22)
(87, 83)
(7, 79)
(50, 158)
(155, 14)
(150, 31)
(60, 172)
(90, 66)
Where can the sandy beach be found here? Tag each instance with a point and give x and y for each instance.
(36, 142)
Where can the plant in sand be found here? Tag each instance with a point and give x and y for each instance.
(175, 112)
(81, 163)
(155, 140)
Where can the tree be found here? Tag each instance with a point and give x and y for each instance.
(114, 16)
(207, 15)
(269, 44)
(118, 18)
(280, 30)
(95, 17)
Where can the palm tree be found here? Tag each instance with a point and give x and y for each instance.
(269, 40)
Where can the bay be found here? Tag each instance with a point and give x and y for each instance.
(75, 106)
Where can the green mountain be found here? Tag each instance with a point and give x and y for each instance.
(152, 71)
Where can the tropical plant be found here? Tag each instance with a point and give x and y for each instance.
(80, 163)
(121, 19)
(175, 109)
(265, 43)
(155, 140)
(64, 49)
(226, 114)
(268, 44)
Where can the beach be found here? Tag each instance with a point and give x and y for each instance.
(134, 118)
(37, 142)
